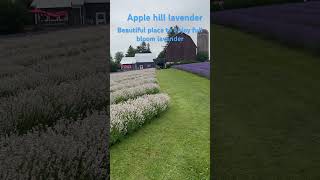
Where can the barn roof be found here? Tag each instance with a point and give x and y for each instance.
(144, 57)
(63, 3)
(128, 60)
(181, 34)
(138, 58)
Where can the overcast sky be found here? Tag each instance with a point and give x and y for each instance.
(120, 9)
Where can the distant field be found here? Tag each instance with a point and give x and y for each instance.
(266, 109)
(52, 105)
(231, 4)
(295, 24)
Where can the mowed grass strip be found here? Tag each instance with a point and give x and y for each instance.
(266, 100)
(177, 144)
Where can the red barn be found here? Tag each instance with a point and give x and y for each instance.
(185, 50)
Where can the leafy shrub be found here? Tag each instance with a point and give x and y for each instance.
(202, 56)
(114, 67)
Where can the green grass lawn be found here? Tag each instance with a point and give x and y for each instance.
(267, 108)
(177, 144)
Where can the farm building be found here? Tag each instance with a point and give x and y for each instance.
(72, 12)
(139, 61)
(183, 50)
(203, 41)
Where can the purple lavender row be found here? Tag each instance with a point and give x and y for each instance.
(290, 13)
(192, 67)
(201, 69)
(199, 65)
(298, 34)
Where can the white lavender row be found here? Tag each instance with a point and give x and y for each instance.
(127, 116)
(52, 55)
(77, 150)
(131, 79)
(132, 73)
(47, 76)
(47, 41)
(92, 56)
(134, 83)
(133, 92)
(46, 104)
(119, 77)
(41, 45)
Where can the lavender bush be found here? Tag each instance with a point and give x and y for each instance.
(201, 69)
(134, 100)
(48, 74)
(130, 115)
(132, 84)
(47, 104)
(51, 92)
(129, 84)
(295, 24)
(133, 92)
(130, 75)
(77, 150)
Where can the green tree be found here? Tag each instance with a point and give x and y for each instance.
(143, 48)
(173, 31)
(162, 54)
(202, 56)
(113, 65)
(148, 48)
(118, 57)
(131, 52)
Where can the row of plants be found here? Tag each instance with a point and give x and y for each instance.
(293, 24)
(133, 92)
(46, 104)
(68, 150)
(234, 4)
(128, 116)
(201, 69)
(134, 101)
(130, 75)
(129, 84)
(92, 55)
(52, 92)
(45, 74)
(32, 57)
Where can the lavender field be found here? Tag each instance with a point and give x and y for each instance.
(201, 69)
(135, 99)
(53, 103)
(294, 23)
